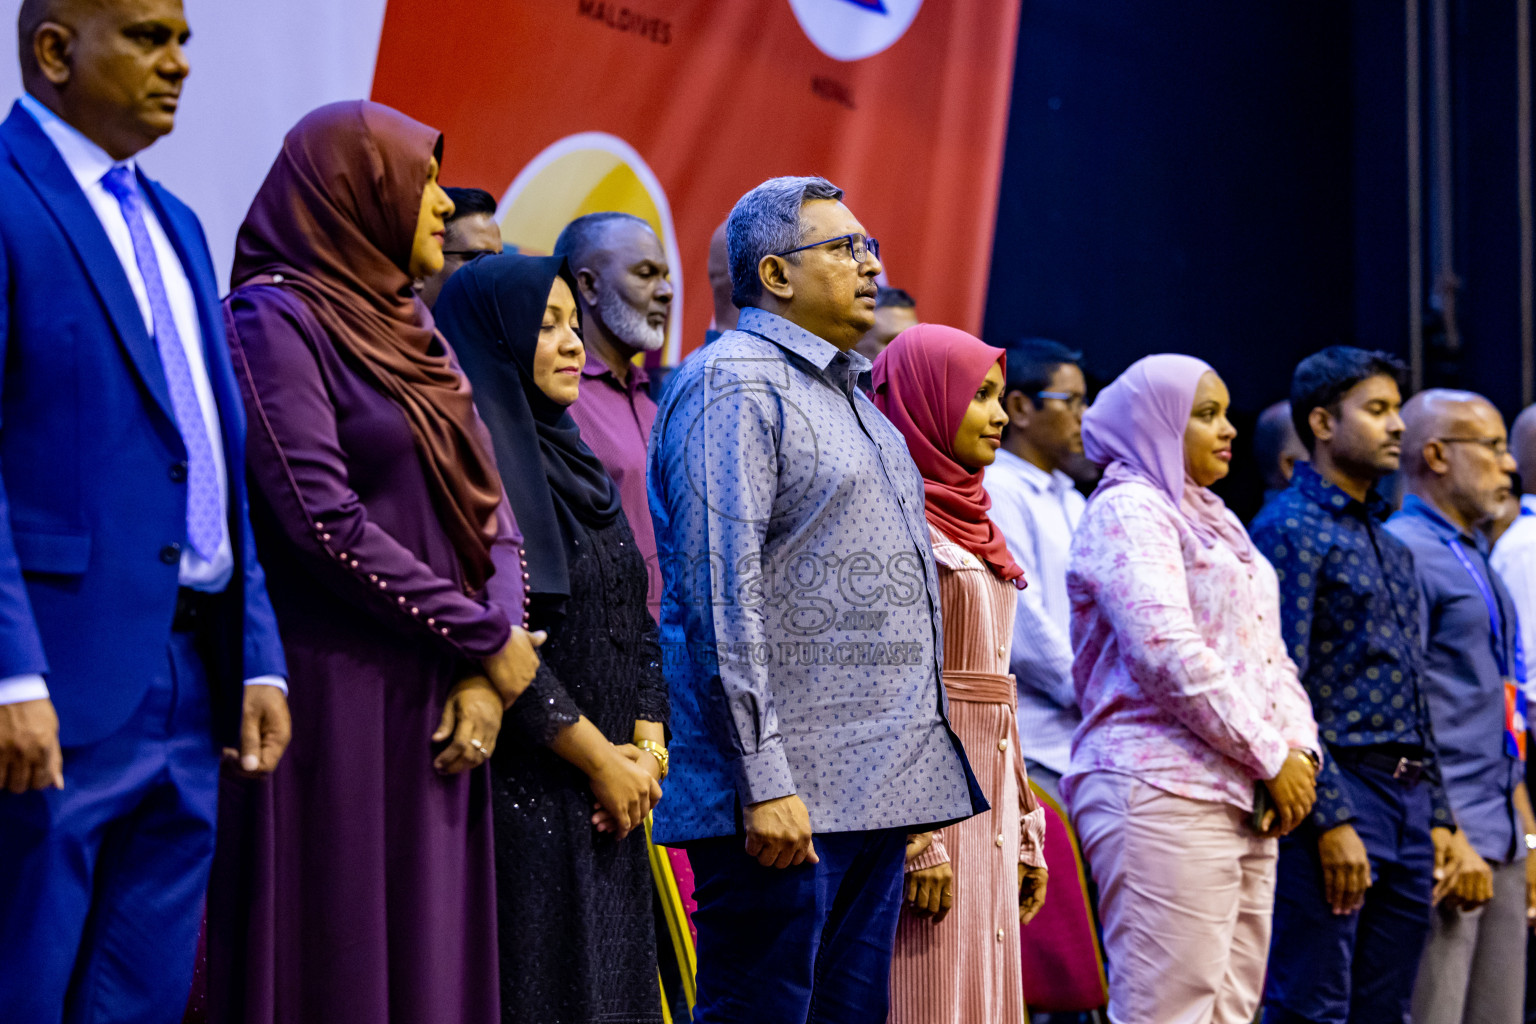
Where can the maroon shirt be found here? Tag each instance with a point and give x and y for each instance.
(615, 422)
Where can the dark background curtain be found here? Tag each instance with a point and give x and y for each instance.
(1232, 181)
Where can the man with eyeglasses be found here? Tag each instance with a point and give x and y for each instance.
(1037, 508)
(1457, 462)
(800, 630)
(470, 231)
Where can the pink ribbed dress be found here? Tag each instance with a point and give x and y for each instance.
(965, 970)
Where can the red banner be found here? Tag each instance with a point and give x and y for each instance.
(671, 109)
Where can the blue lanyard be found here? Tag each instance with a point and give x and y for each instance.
(1495, 617)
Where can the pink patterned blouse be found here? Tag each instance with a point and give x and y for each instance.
(1179, 664)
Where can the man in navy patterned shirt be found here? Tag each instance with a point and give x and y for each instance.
(799, 620)
(1355, 882)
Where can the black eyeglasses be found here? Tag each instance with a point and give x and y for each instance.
(469, 254)
(1498, 445)
(860, 247)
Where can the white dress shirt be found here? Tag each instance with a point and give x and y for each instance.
(1038, 513)
(1514, 559)
(89, 164)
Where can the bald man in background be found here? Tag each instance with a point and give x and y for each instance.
(624, 292)
(1457, 464)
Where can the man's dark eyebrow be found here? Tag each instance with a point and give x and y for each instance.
(155, 25)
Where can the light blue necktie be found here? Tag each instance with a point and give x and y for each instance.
(204, 509)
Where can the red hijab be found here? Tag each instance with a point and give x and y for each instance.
(924, 382)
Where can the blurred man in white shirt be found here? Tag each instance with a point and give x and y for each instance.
(1514, 556)
(1037, 507)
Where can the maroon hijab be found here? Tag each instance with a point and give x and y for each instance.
(336, 218)
(924, 382)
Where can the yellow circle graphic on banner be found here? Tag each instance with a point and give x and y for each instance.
(592, 172)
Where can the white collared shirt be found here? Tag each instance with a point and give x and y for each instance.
(1514, 559)
(88, 163)
(1037, 513)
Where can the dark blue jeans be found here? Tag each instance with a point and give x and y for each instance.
(803, 945)
(1358, 968)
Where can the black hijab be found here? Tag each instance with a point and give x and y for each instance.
(490, 312)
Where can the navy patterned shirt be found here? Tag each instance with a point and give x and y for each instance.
(800, 607)
(1349, 605)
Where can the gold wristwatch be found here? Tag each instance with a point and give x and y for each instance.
(657, 751)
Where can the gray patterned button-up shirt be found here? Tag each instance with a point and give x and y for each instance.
(799, 619)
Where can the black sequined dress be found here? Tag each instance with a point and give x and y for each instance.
(578, 942)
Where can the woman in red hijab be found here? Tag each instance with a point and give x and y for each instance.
(943, 390)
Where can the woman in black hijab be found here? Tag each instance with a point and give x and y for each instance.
(573, 894)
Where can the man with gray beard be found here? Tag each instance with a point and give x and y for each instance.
(624, 290)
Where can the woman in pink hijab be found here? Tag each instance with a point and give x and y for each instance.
(1192, 710)
(943, 390)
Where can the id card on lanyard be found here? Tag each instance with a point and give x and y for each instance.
(1513, 673)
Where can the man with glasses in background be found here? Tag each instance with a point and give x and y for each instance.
(1457, 463)
(1037, 508)
(470, 231)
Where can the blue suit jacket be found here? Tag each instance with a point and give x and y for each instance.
(92, 482)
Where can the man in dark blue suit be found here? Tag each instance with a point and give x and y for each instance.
(135, 630)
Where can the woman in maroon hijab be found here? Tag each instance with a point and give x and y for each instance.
(943, 390)
(357, 885)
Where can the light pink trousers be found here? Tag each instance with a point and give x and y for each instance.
(1186, 896)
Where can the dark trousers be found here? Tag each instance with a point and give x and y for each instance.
(1358, 968)
(802, 945)
(101, 883)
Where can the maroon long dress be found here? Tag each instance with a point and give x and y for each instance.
(356, 885)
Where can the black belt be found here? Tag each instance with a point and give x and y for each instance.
(194, 610)
(1406, 765)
